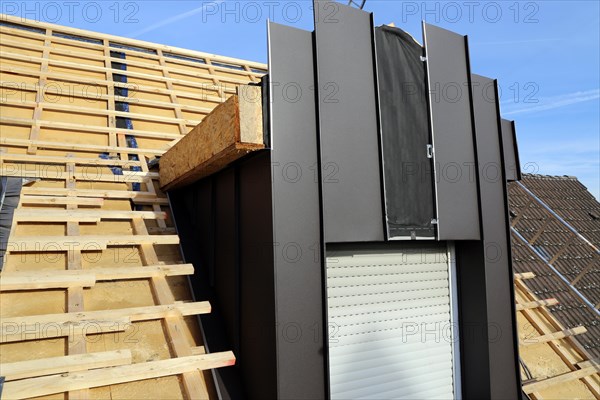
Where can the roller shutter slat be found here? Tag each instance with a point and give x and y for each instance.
(390, 324)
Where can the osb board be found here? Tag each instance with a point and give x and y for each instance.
(68, 82)
(229, 132)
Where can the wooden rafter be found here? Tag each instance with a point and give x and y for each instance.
(59, 136)
(570, 352)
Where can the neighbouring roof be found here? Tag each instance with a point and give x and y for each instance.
(570, 200)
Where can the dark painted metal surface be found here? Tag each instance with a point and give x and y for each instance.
(226, 230)
(226, 254)
(489, 261)
(257, 317)
(472, 310)
(348, 116)
(10, 194)
(511, 151)
(193, 208)
(296, 215)
(454, 154)
(255, 230)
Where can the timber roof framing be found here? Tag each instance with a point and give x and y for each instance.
(72, 101)
(558, 331)
(576, 260)
(545, 342)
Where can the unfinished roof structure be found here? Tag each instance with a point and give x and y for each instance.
(553, 364)
(568, 241)
(93, 284)
(95, 299)
(555, 228)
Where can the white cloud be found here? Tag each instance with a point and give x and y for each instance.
(581, 146)
(550, 103)
(174, 19)
(512, 42)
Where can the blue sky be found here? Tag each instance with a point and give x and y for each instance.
(545, 54)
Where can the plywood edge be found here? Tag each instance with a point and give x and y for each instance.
(216, 163)
(231, 131)
(250, 115)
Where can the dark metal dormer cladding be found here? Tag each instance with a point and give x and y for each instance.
(511, 151)
(348, 124)
(486, 264)
(296, 214)
(372, 141)
(452, 125)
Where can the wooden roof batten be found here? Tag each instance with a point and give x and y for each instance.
(125, 277)
(544, 330)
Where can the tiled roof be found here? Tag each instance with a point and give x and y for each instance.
(570, 200)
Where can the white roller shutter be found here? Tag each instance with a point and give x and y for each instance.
(390, 323)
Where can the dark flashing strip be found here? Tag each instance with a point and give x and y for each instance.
(77, 38)
(22, 27)
(185, 58)
(230, 66)
(10, 192)
(134, 48)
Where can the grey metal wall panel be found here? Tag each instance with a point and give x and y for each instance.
(348, 116)
(452, 130)
(296, 215)
(503, 367)
(511, 151)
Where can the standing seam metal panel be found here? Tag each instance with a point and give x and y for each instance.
(296, 215)
(497, 263)
(453, 134)
(511, 152)
(348, 118)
